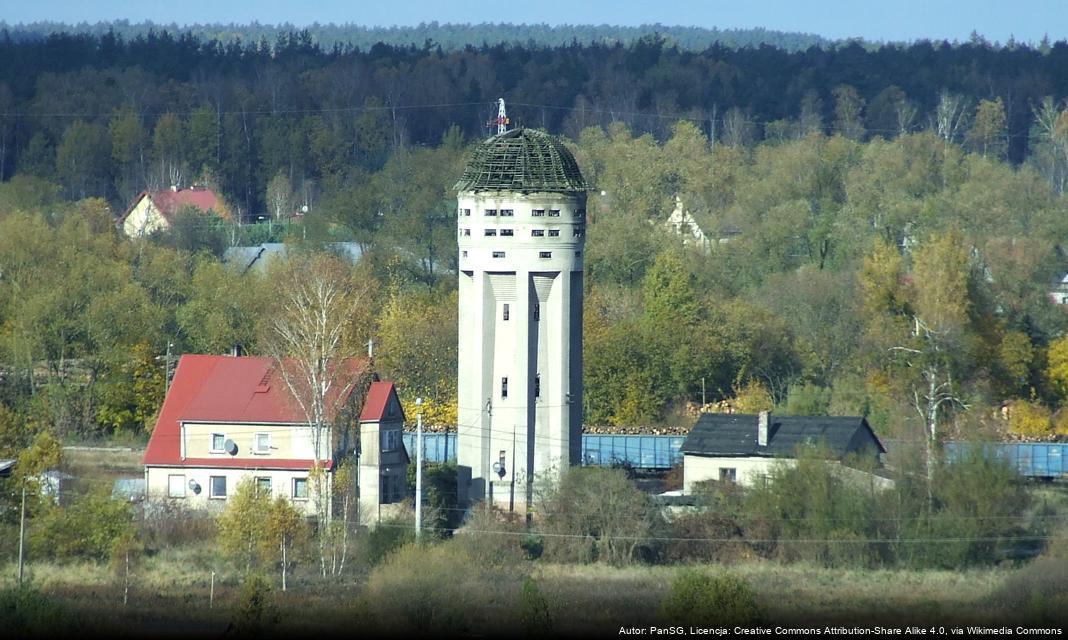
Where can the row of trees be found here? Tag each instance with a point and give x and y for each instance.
(107, 117)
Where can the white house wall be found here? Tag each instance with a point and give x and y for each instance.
(157, 486)
(748, 471)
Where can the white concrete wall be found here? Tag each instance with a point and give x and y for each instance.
(748, 471)
(533, 275)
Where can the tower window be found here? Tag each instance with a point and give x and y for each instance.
(498, 254)
(537, 233)
(491, 212)
(507, 212)
(467, 232)
(537, 213)
(537, 386)
(504, 387)
(578, 254)
(545, 254)
(491, 232)
(537, 311)
(507, 232)
(465, 212)
(465, 253)
(580, 213)
(579, 232)
(554, 213)
(554, 233)
(505, 310)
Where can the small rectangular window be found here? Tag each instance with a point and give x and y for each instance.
(537, 311)
(467, 212)
(390, 439)
(578, 232)
(507, 232)
(554, 233)
(467, 232)
(726, 475)
(218, 442)
(263, 442)
(491, 232)
(578, 254)
(545, 254)
(554, 213)
(498, 254)
(217, 484)
(507, 212)
(580, 213)
(465, 253)
(176, 486)
(504, 387)
(537, 213)
(537, 386)
(263, 485)
(491, 212)
(300, 488)
(505, 310)
(537, 233)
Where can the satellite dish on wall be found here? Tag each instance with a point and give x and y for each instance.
(194, 486)
(230, 446)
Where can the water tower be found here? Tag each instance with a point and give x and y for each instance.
(521, 225)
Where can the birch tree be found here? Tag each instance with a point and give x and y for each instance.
(310, 337)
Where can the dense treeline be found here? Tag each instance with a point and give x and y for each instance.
(449, 36)
(106, 116)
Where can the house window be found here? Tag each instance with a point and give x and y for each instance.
(505, 310)
(537, 213)
(507, 212)
(218, 442)
(507, 232)
(537, 233)
(263, 485)
(390, 439)
(554, 233)
(491, 232)
(498, 254)
(263, 442)
(176, 486)
(727, 474)
(504, 387)
(491, 212)
(545, 254)
(554, 213)
(300, 488)
(217, 485)
(537, 311)
(537, 386)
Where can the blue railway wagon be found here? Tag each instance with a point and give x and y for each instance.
(638, 451)
(1030, 459)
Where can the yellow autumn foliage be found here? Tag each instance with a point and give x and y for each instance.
(1029, 419)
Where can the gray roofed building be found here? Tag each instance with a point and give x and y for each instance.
(741, 447)
(522, 160)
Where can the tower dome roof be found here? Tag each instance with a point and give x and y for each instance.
(522, 160)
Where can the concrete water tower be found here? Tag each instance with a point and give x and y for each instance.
(521, 228)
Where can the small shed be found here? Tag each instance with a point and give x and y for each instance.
(742, 447)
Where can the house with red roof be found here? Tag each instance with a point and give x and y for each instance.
(228, 418)
(154, 211)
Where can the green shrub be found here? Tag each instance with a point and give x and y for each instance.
(255, 611)
(87, 528)
(26, 612)
(387, 537)
(534, 610)
(722, 600)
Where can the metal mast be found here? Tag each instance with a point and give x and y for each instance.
(502, 117)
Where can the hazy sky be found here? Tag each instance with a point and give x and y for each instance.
(1027, 20)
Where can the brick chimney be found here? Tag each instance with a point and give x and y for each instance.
(762, 428)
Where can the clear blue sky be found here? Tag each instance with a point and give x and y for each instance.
(1027, 20)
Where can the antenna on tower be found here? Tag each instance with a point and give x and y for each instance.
(502, 117)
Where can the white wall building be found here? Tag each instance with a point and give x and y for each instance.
(521, 232)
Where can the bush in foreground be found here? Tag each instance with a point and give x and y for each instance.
(717, 600)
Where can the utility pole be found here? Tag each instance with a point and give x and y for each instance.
(418, 469)
(702, 393)
(22, 533)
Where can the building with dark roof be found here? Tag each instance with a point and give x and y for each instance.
(742, 447)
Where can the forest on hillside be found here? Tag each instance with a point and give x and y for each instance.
(884, 226)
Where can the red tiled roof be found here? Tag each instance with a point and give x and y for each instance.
(229, 390)
(169, 202)
(377, 402)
